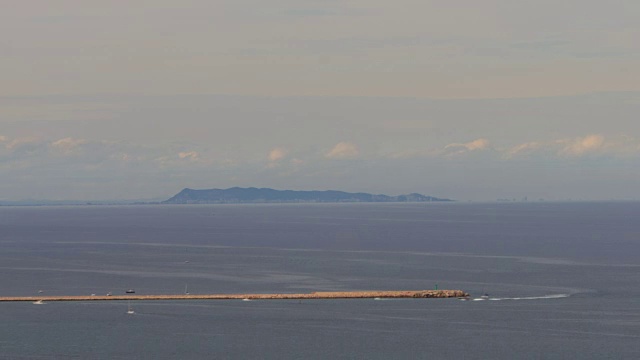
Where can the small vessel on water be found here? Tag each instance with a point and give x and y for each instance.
(186, 290)
(38, 302)
(129, 309)
(484, 296)
(130, 291)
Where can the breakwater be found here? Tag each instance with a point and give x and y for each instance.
(313, 295)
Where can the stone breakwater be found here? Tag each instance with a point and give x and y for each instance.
(313, 295)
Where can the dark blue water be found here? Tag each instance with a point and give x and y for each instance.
(563, 279)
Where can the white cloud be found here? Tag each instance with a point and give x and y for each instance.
(20, 142)
(68, 142)
(277, 154)
(619, 146)
(67, 145)
(189, 155)
(461, 148)
(449, 150)
(343, 150)
(581, 145)
(477, 144)
(522, 149)
(124, 157)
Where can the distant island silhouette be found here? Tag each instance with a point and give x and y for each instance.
(236, 195)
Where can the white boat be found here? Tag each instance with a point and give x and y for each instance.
(130, 310)
(39, 302)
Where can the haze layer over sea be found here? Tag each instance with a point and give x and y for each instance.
(563, 280)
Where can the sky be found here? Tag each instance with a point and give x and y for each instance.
(461, 99)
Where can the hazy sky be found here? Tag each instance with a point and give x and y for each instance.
(472, 100)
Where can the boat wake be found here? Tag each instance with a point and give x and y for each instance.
(544, 297)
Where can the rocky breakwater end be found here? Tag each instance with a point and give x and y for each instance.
(370, 294)
(314, 295)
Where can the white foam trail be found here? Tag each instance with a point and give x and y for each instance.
(545, 297)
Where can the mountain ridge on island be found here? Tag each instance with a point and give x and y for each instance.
(238, 195)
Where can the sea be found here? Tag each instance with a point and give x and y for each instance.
(562, 279)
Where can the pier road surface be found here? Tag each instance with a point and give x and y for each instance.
(313, 295)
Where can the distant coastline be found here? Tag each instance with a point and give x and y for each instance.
(237, 195)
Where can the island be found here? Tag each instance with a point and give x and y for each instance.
(237, 195)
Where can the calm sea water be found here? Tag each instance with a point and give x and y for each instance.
(563, 279)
